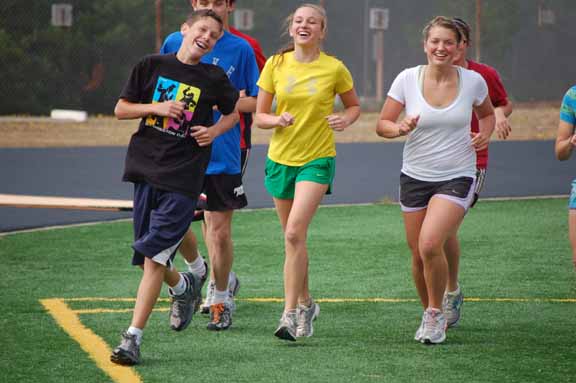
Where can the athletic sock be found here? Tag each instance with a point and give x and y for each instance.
(197, 266)
(455, 292)
(307, 303)
(220, 296)
(180, 287)
(136, 331)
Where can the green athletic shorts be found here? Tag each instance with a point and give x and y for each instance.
(280, 180)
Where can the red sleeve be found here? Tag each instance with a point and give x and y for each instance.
(498, 94)
(496, 90)
(258, 53)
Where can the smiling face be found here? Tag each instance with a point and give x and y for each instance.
(441, 46)
(200, 37)
(308, 27)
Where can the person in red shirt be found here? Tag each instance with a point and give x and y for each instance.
(453, 297)
(246, 119)
(260, 57)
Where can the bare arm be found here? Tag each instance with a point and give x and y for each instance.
(501, 114)
(205, 136)
(387, 126)
(126, 110)
(486, 123)
(565, 140)
(246, 104)
(264, 117)
(339, 122)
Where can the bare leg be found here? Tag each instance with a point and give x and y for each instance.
(442, 220)
(572, 233)
(220, 246)
(189, 246)
(307, 198)
(412, 225)
(452, 251)
(148, 292)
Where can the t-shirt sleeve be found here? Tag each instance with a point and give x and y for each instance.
(568, 107)
(397, 88)
(344, 81)
(251, 73)
(227, 93)
(132, 90)
(172, 43)
(498, 95)
(266, 80)
(480, 89)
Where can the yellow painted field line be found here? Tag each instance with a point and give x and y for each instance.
(95, 346)
(343, 300)
(321, 300)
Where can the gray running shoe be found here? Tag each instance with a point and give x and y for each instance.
(452, 307)
(307, 315)
(288, 326)
(128, 352)
(434, 327)
(183, 306)
(418, 336)
(220, 317)
(205, 309)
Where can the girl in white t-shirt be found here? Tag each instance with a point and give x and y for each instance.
(439, 160)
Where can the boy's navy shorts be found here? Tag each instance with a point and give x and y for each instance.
(161, 218)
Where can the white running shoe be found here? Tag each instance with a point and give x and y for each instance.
(434, 327)
(233, 287)
(452, 307)
(287, 327)
(418, 335)
(307, 315)
(205, 308)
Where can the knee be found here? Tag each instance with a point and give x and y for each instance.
(429, 248)
(294, 237)
(220, 235)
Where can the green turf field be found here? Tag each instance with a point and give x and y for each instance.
(518, 323)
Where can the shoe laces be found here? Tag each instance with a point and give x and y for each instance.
(217, 311)
(430, 320)
(129, 341)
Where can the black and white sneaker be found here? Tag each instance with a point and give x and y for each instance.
(128, 352)
(183, 306)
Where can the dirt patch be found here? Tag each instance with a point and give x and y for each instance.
(530, 121)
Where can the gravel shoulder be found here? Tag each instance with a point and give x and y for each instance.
(530, 121)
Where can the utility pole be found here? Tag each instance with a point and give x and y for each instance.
(323, 4)
(159, 39)
(477, 34)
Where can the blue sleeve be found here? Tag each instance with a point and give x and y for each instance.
(172, 43)
(568, 107)
(252, 73)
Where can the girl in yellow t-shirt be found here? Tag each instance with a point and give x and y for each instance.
(301, 160)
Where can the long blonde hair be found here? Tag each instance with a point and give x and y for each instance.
(288, 23)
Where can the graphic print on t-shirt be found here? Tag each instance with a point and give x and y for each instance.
(167, 90)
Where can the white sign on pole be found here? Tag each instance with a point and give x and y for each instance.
(62, 15)
(379, 18)
(244, 19)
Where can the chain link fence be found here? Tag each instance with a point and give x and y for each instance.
(83, 61)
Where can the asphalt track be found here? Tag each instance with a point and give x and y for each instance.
(365, 173)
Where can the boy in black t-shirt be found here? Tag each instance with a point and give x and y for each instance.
(166, 160)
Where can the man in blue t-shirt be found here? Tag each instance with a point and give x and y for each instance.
(223, 184)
